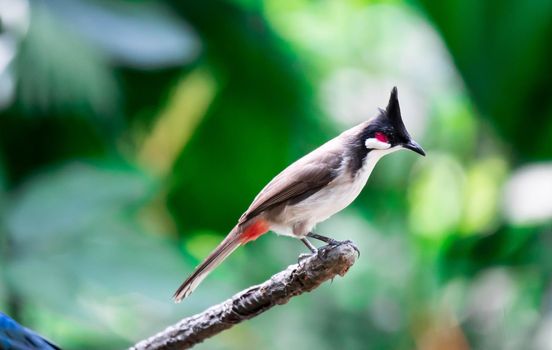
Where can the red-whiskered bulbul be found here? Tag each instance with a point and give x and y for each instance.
(313, 188)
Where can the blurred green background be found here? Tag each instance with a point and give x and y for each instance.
(134, 133)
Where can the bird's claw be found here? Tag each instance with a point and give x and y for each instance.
(304, 256)
(334, 242)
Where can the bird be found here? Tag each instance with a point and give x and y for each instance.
(14, 336)
(313, 188)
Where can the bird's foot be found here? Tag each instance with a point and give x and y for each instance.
(312, 249)
(303, 257)
(333, 242)
(309, 245)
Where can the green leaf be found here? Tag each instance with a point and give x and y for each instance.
(149, 35)
(79, 250)
(59, 71)
(64, 202)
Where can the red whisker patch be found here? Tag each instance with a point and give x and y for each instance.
(381, 137)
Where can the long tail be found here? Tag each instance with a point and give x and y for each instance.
(233, 240)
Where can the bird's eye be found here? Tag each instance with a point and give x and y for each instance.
(382, 137)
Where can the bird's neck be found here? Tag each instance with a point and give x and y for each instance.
(363, 160)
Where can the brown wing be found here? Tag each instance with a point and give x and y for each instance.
(297, 182)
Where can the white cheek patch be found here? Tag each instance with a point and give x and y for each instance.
(374, 143)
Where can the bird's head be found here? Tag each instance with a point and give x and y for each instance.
(387, 131)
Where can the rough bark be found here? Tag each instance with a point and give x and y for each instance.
(302, 277)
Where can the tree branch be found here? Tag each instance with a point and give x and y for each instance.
(303, 277)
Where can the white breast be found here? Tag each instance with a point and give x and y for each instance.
(336, 196)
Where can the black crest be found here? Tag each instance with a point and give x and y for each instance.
(393, 113)
(388, 122)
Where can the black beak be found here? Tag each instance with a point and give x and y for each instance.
(413, 146)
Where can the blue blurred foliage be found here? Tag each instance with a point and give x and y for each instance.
(134, 133)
